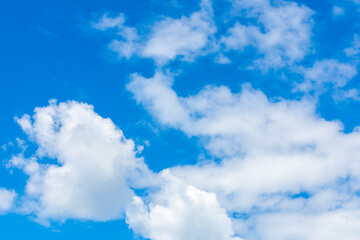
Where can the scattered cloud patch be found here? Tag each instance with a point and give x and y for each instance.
(338, 11)
(354, 50)
(7, 198)
(349, 94)
(327, 73)
(282, 33)
(106, 22)
(128, 45)
(185, 37)
(168, 39)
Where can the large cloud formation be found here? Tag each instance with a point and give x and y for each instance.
(276, 169)
(91, 175)
(278, 158)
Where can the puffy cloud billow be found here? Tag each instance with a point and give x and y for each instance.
(180, 211)
(91, 167)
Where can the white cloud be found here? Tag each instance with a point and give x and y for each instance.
(331, 74)
(168, 39)
(129, 43)
(185, 37)
(157, 95)
(283, 37)
(333, 225)
(178, 212)
(270, 150)
(354, 50)
(106, 22)
(7, 198)
(352, 94)
(327, 73)
(92, 170)
(92, 173)
(338, 11)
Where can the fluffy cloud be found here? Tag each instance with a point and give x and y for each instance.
(84, 168)
(156, 94)
(128, 45)
(282, 33)
(179, 211)
(281, 37)
(181, 37)
(168, 39)
(327, 73)
(91, 167)
(7, 198)
(281, 171)
(277, 155)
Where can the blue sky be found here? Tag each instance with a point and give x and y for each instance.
(180, 119)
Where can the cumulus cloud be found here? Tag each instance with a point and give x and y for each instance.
(91, 170)
(327, 73)
(168, 39)
(7, 198)
(282, 33)
(179, 211)
(276, 170)
(277, 156)
(84, 168)
(184, 37)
